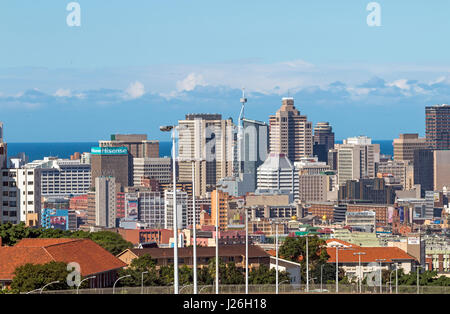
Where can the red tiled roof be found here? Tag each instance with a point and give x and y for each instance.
(12, 257)
(391, 254)
(41, 242)
(93, 259)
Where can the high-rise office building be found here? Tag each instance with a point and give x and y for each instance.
(152, 168)
(406, 144)
(323, 140)
(437, 120)
(356, 159)
(441, 169)
(137, 144)
(255, 146)
(278, 173)
(290, 132)
(182, 199)
(401, 170)
(21, 196)
(105, 202)
(112, 161)
(424, 169)
(333, 159)
(209, 141)
(62, 177)
(223, 209)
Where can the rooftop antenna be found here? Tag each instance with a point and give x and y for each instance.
(243, 101)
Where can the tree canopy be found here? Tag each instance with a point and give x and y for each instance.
(29, 277)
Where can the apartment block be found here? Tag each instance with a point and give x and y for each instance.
(290, 132)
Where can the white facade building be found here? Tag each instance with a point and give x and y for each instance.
(21, 195)
(182, 199)
(61, 177)
(278, 173)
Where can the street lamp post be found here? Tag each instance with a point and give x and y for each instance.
(337, 269)
(307, 265)
(142, 281)
(194, 223)
(321, 275)
(396, 278)
(114, 286)
(51, 283)
(360, 270)
(276, 258)
(171, 128)
(381, 277)
(418, 280)
(79, 285)
(246, 251)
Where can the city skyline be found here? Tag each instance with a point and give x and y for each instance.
(122, 71)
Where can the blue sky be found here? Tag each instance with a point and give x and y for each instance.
(133, 66)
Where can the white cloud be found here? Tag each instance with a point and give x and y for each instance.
(190, 82)
(63, 93)
(402, 84)
(135, 90)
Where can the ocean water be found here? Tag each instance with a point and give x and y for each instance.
(36, 151)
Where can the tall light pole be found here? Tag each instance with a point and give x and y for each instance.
(79, 285)
(307, 264)
(142, 281)
(217, 234)
(360, 270)
(246, 251)
(321, 275)
(418, 279)
(172, 128)
(337, 266)
(396, 278)
(194, 223)
(276, 253)
(337, 269)
(114, 286)
(51, 283)
(381, 277)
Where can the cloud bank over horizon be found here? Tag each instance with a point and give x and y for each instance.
(87, 104)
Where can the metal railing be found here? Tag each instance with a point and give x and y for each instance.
(261, 289)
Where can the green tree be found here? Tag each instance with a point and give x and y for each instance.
(166, 275)
(139, 265)
(263, 275)
(29, 277)
(328, 273)
(294, 249)
(11, 233)
(110, 241)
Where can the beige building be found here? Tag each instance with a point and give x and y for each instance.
(402, 170)
(290, 132)
(137, 144)
(356, 159)
(206, 140)
(441, 169)
(105, 202)
(405, 145)
(154, 168)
